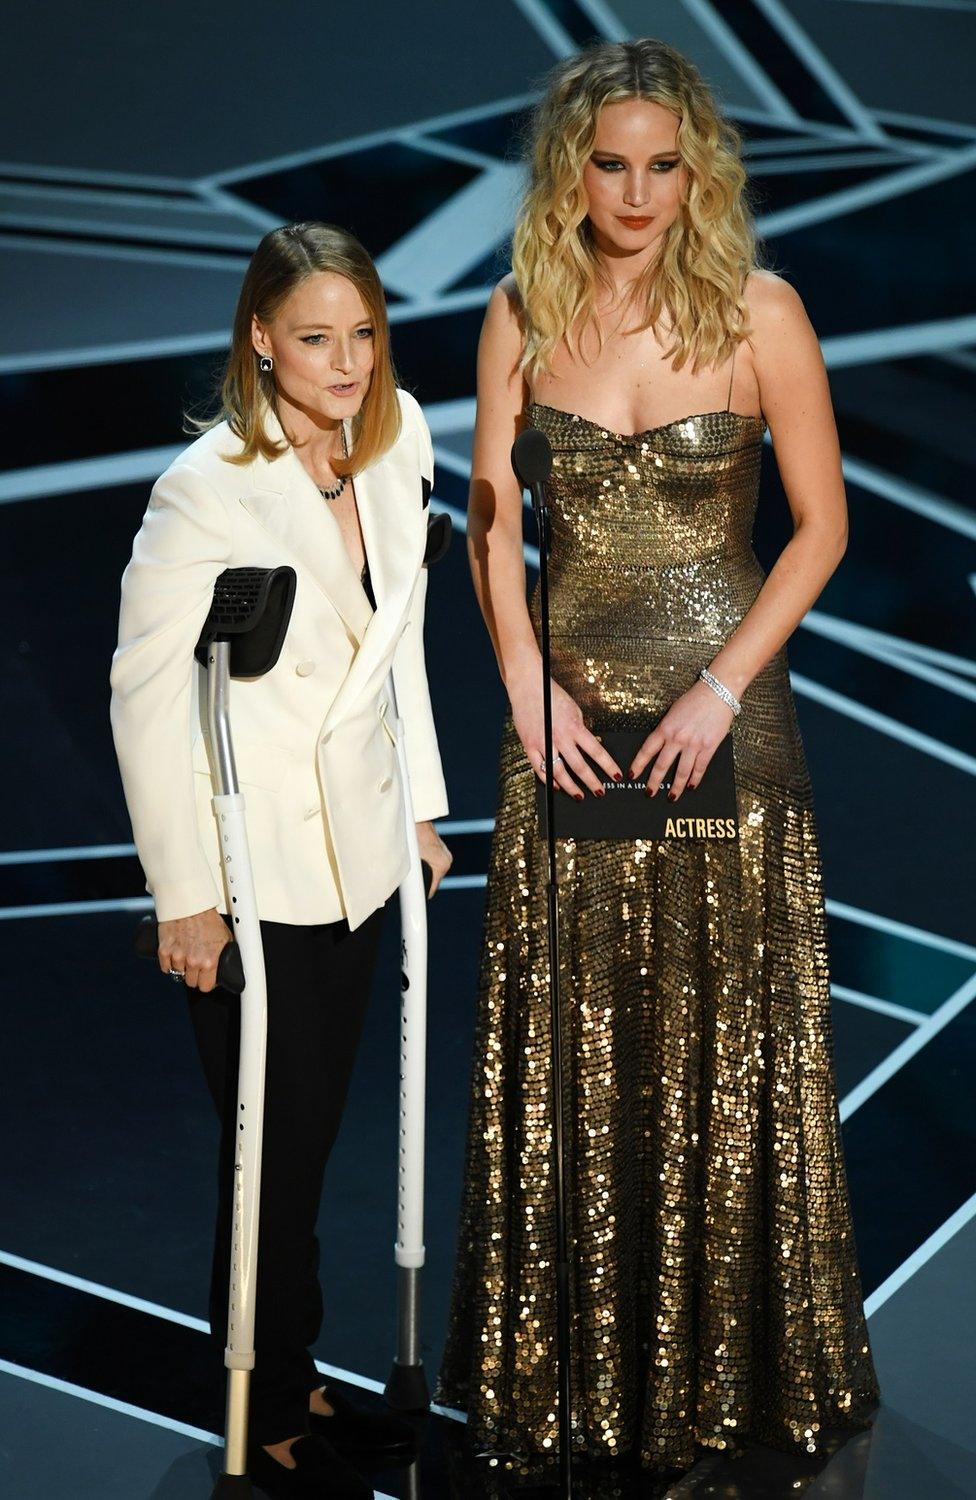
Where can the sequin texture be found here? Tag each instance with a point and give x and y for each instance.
(714, 1284)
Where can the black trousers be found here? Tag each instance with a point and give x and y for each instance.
(319, 979)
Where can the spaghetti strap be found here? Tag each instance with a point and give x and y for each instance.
(728, 401)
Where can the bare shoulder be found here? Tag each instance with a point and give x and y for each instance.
(503, 315)
(773, 304)
(506, 291)
(501, 384)
(786, 356)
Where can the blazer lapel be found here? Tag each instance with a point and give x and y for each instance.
(286, 502)
(388, 499)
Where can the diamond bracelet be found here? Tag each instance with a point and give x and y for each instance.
(721, 689)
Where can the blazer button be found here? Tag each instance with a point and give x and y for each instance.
(386, 783)
(326, 737)
(305, 668)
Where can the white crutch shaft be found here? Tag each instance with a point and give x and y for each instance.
(413, 1042)
(250, 1085)
(229, 808)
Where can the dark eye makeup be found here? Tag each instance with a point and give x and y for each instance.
(611, 164)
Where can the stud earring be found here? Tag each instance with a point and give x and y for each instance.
(266, 362)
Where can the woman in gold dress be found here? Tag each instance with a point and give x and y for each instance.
(714, 1284)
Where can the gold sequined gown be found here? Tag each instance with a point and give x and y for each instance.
(714, 1285)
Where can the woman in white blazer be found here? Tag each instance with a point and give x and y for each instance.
(319, 461)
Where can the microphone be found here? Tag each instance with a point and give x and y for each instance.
(531, 458)
(532, 463)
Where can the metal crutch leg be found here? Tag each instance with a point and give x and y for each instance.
(407, 1389)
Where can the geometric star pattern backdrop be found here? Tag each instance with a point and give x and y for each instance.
(146, 153)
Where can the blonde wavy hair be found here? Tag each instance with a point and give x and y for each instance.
(284, 258)
(699, 277)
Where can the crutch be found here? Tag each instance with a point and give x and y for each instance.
(406, 1389)
(242, 637)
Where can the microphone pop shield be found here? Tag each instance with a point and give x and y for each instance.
(531, 457)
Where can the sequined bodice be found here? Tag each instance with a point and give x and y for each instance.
(654, 529)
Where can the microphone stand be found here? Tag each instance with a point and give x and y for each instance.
(536, 487)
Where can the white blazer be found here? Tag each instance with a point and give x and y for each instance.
(315, 738)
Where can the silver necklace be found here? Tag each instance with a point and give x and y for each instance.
(337, 489)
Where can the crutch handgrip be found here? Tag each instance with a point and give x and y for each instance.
(230, 966)
(439, 528)
(251, 609)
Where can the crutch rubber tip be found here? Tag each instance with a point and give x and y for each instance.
(406, 1389)
(232, 1487)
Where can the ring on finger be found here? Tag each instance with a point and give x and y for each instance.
(556, 758)
(176, 973)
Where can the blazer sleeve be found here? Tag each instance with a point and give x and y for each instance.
(183, 544)
(427, 789)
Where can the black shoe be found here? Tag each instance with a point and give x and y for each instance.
(319, 1471)
(356, 1431)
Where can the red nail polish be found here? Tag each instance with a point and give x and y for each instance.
(672, 797)
(578, 796)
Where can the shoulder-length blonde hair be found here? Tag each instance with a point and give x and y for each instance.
(282, 260)
(699, 277)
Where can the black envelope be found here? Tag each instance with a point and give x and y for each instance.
(707, 811)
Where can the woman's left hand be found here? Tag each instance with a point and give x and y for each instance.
(434, 850)
(690, 732)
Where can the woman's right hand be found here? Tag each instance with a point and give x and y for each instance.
(192, 946)
(570, 736)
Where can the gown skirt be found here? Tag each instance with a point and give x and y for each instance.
(714, 1286)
